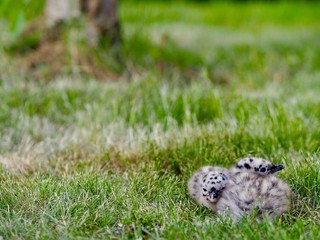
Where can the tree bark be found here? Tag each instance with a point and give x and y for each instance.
(61, 10)
(103, 21)
(101, 15)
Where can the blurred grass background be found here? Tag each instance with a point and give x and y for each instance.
(203, 83)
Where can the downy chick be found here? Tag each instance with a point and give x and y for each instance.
(252, 186)
(206, 184)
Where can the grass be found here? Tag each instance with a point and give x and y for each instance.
(91, 159)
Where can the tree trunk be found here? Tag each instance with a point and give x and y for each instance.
(102, 19)
(103, 22)
(61, 10)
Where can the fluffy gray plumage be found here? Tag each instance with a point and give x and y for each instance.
(197, 184)
(247, 192)
(249, 186)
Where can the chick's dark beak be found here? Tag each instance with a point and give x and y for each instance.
(275, 168)
(213, 194)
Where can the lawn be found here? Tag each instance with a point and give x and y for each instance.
(206, 84)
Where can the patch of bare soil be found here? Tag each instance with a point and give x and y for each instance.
(48, 56)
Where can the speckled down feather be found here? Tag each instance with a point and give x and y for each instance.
(248, 192)
(195, 189)
(251, 187)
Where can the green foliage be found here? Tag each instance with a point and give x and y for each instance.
(16, 13)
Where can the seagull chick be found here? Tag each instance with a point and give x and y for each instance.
(206, 184)
(252, 187)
